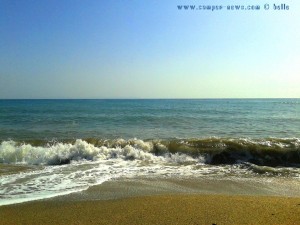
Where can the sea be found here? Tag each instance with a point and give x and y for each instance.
(71, 145)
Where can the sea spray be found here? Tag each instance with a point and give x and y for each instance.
(264, 152)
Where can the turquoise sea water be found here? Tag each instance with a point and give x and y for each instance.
(148, 119)
(71, 145)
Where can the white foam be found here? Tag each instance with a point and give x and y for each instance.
(61, 153)
(90, 165)
(77, 176)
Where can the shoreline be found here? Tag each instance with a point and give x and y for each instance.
(163, 201)
(122, 188)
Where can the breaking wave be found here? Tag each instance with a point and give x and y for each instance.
(71, 166)
(215, 151)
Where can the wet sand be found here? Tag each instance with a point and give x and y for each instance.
(170, 201)
(6, 169)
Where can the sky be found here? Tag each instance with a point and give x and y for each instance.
(148, 49)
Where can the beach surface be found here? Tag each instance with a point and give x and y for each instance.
(160, 202)
(165, 209)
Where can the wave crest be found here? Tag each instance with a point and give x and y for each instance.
(266, 152)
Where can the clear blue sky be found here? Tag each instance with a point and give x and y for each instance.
(147, 49)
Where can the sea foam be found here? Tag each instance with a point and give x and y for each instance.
(63, 153)
(65, 167)
(264, 152)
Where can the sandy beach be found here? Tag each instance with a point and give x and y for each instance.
(159, 202)
(165, 209)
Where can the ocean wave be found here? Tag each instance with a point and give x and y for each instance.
(264, 152)
(75, 165)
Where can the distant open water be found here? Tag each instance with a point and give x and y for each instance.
(75, 144)
(143, 119)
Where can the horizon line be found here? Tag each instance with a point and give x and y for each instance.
(149, 98)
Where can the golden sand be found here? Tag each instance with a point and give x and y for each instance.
(164, 209)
